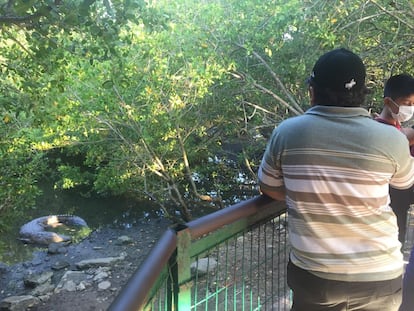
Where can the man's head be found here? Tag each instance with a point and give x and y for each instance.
(399, 97)
(338, 79)
(398, 86)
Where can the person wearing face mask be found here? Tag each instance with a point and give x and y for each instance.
(399, 108)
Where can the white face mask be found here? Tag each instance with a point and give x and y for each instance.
(405, 113)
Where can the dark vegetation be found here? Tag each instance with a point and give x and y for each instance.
(168, 101)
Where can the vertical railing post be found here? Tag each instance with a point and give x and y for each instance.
(170, 296)
(183, 286)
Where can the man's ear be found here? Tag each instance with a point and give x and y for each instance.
(311, 95)
(388, 101)
(391, 106)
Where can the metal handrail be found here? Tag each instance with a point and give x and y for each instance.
(133, 296)
(228, 215)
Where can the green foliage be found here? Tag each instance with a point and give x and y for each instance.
(169, 100)
(19, 171)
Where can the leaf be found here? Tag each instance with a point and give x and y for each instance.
(108, 84)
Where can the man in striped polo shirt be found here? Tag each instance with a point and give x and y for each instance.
(333, 166)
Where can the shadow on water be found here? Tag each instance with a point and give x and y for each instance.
(97, 212)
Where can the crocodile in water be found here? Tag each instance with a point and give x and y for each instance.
(35, 231)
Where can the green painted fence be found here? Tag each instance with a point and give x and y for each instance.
(234, 259)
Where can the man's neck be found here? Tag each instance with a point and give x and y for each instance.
(388, 118)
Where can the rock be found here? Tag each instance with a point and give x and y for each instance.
(104, 285)
(33, 280)
(46, 297)
(102, 269)
(37, 262)
(99, 276)
(18, 303)
(99, 262)
(59, 265)
(123, 240)
(71, 280)
(69, 286)
(43, 289)
(57, 248)
(203, 266)
(81, 286)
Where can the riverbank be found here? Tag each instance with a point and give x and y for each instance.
(121, 249)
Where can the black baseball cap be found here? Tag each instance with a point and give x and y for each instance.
(339, 70)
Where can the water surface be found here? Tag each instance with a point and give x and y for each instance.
(97, 212)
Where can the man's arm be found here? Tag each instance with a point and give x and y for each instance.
(275, 195)
(409, 133)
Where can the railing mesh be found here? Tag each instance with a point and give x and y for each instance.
(232, 259)
(245, 272)
(161, 297)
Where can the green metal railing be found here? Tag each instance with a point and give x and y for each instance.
(233, 259)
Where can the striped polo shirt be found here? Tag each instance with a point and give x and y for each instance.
(336, 164)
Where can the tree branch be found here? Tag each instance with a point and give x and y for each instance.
(294, 106)
(18, 42)
(278, 81)
(18, 20)
(202, 197)
(410, 26)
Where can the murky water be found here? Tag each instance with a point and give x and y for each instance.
(95, 211)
